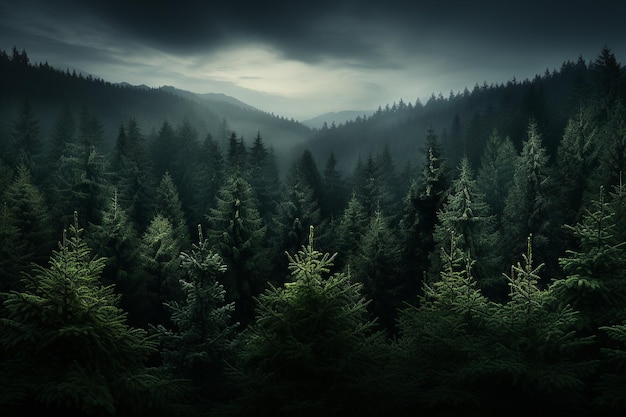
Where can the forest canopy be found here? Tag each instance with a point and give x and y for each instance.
(462, 256)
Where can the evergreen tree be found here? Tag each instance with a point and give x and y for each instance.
(237, 233)
(264, 178)
(444, 342)
(26, 145)
(538, 352)
(296, 212)
(577, 159)
(211, 176)
(163, 149)
(350, 230)
(169, 206)
(200, 340)
(186, 170)
(157, 280)
(237, 156)
(66, 346)
(26, 205)
(63, 133)
(376, 265)
(133, 180)
(115, 239)
(467, 215)
(335, 190)
(424, 199)
(495, 175)
(80, 183)
(311, 350)
(594, 278)
(528, 208)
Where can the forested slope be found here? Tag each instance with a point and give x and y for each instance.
(173, 273)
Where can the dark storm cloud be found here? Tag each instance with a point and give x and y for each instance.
(357, 31)
(367, 53)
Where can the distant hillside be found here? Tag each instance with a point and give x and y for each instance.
(462, 121)
(49, 89)
(336, 118)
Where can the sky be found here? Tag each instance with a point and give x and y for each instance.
(301, 59)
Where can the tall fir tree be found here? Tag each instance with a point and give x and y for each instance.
(495, 174)
(156, 280)
(528, 208)
(237, 233)
(28, 208)
(593, 281)
(467, 215)
(199, 343)
(67, 348)
(26, 146)
(311, 350)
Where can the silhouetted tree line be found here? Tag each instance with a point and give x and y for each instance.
(180, 273)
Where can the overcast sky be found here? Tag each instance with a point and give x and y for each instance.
(300, 59)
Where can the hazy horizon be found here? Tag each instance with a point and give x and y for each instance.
(300, 61)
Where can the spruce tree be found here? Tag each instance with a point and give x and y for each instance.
(199, 342)
(67, 348)
(115, 239)
(495, 174)
(26, 145)
(528, 208)
(467, 215)
(444, 343)
(169, 206)
(156, 281)
(312, 350)
(538, 352)
(27, 206)
(238, 235)
(376, 265)
(576, 161)
(594, 269)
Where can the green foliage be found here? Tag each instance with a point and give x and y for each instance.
(312, 350)
(200, 339)
(468, 217)
(66, 346)
(594, 278)
(237, 233)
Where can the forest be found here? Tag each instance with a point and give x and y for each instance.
(462, 257)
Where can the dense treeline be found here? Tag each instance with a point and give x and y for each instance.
(174, 273)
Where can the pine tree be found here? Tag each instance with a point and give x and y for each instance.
(237, 233)
(264, 178)
(376, 265)
(424, 199)
(115, 239)
(157, 280)
(335, 190)
(467, 215)
(133, 180)
(528, 208)
(594, 278)
(199, 343)
(27, 206)
(443, 342)
(350, 230)
(169, 206)
(26, 145)
(539, 353)
(311, 350)
(211, 177)
(66, 346)
(495, 175)
(577, 159)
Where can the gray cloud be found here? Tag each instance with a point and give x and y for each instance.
(373, 51)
